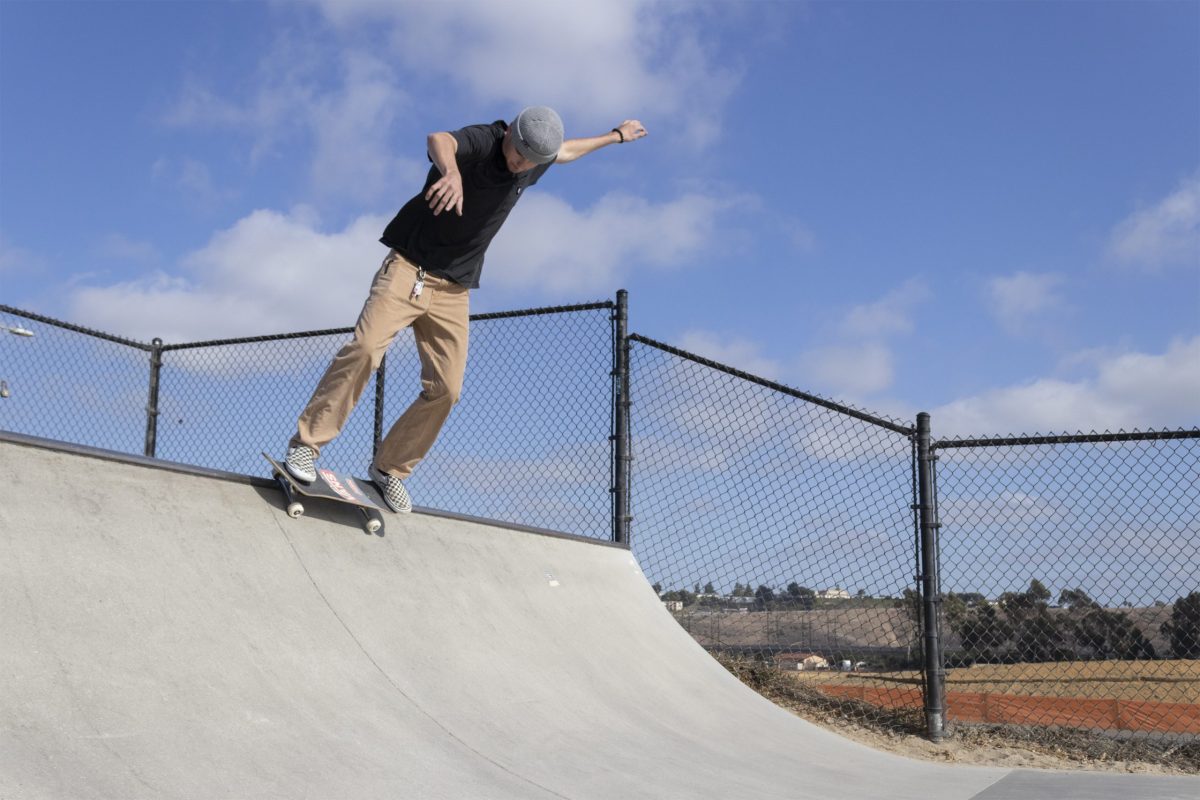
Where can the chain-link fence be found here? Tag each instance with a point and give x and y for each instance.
(779, 526)
(775, 524)
(1070, 573)
(531, 439)
(65, 382)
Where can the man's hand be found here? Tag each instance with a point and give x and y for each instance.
(447, 193)
(632, 129)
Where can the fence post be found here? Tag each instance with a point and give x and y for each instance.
(620, 437)
(931, 599)
(152, 406)
(380, 383)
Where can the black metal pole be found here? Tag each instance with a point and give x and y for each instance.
(620, 437)
(380, 385)
(152, 406)
(931, 598)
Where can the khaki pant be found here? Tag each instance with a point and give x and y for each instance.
(440, 320)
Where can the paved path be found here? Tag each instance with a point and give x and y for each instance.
(169, 635)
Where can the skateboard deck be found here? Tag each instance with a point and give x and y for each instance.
(335, 486)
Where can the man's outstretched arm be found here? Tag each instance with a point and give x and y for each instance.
(571, 149)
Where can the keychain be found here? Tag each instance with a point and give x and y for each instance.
(419, 285)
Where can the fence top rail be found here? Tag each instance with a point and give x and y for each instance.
(274, 337)
(1081, 438)
(533, 312)
(67, 326)
(904, 430)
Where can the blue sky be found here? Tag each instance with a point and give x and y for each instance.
(989, 211)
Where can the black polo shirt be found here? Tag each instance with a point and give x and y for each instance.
(451, 246)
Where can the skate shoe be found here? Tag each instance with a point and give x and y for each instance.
(299, 462)
(393, 491)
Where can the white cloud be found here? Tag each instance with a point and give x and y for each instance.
(354, 147)
(982, 509)
(890, 315)
(267, 105)
(1016, 300)
(1164, 235)
(801, 237)
(118, 247)
(860, 361)
(16, 260)
(193, 179)
(268, 273)
(833, 442)
(273, 272)
(852, 370)
(346, 104)
(551, 248)
(663, 456)
(1126, 392)
(692, 420)
(597, 63)
(735, 352)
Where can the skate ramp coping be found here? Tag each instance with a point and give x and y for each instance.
(171, 633)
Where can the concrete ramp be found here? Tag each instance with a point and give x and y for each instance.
(175, 635)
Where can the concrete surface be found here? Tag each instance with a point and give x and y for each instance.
(166, 635)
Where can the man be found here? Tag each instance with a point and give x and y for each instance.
(438, 241)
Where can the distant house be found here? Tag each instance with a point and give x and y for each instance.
(801, 661)
(673, 605)
(835, 593)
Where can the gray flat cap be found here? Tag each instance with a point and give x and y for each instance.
(538, 133)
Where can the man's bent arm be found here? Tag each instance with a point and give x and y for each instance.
(447, 192)
(572, 149)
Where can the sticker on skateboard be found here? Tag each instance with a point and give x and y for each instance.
(329, 485)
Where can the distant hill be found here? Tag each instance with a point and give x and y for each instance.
(822, 629)
(854, 627)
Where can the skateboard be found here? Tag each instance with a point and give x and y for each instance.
(329, 485)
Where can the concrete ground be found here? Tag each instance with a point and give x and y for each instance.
(168, 634)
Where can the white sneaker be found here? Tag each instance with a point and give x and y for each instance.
(299, 462)
(393, 491)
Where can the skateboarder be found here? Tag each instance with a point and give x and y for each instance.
(437, 244)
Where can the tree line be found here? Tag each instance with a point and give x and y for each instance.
(1021, 627)
(1018, 627)
(764, 598)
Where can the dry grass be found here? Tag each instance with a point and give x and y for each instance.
(1155, 681)
(902, 731)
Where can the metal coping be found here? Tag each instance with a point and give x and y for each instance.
(25, 440)
(1090, 438)
(778, 387)
(533, 312)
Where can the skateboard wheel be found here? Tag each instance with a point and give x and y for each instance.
(295, 510)
(373, 525)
